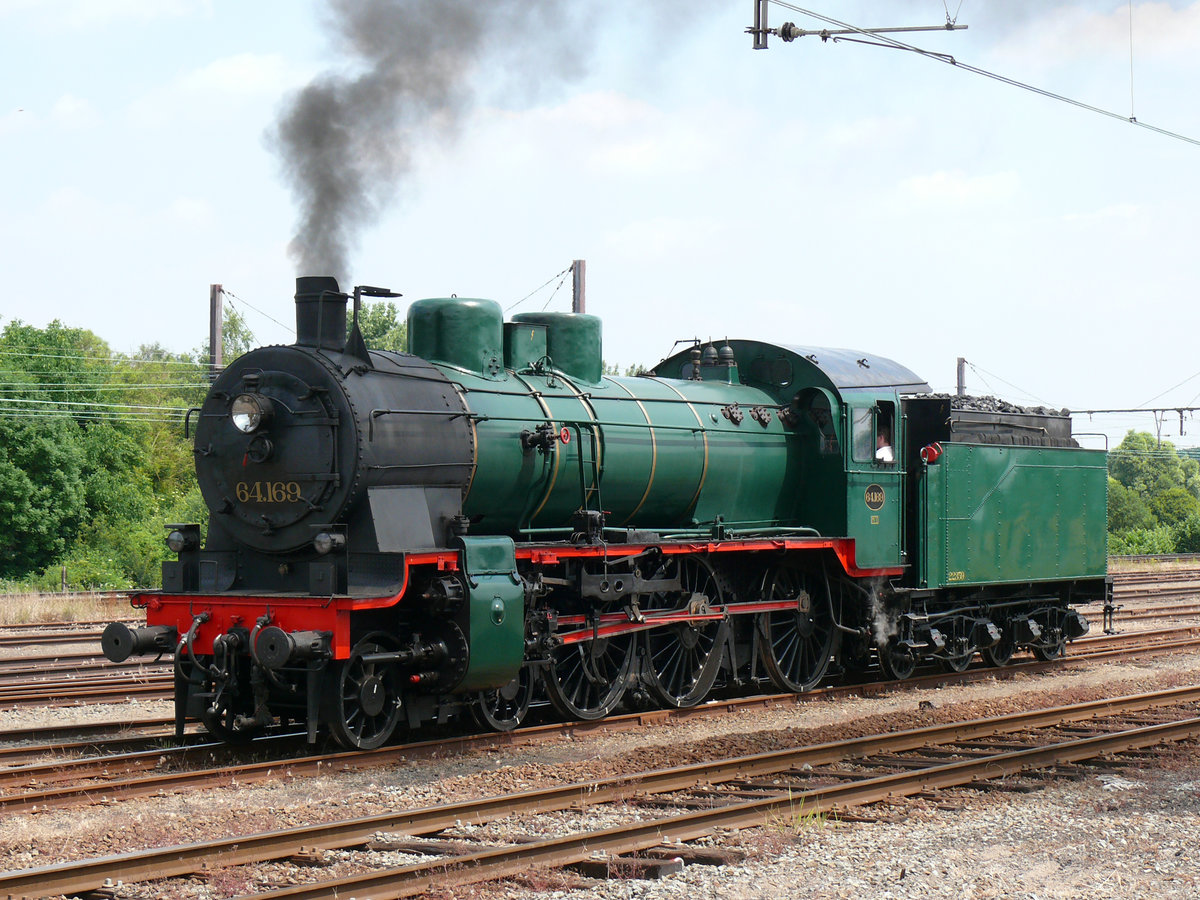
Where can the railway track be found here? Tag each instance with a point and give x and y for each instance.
(45, 777)
(725, 794)
(89, 678)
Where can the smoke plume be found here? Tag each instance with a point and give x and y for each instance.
(347, 139)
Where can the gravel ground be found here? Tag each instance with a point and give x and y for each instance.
(1131, 832)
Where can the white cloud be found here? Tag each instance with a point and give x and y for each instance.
(959, 189)
(610, 134)
(219, 85)
(1072, 33)
(243, 74)
(74, 113)
(664, 238)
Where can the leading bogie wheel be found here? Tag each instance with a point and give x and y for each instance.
(504, 708)
(363, 699)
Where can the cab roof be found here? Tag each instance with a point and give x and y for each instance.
(853, 369)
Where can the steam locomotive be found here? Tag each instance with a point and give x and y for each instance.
(490, 522)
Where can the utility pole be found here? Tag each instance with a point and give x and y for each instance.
(579, 286)
(216, 321)
(760, 29)
(962, 377)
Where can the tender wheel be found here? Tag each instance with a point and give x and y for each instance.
(797, 644)
(504, 708)
(680, 662)
(587, 680)
(896, 662)
(1054, 651)
(958, 663)
(363, 698)
(1000, 653)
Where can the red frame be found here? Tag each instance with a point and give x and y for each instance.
(333, 614)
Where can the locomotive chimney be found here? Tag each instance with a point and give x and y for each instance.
(320, 313)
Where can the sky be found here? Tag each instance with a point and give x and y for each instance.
(814, 193)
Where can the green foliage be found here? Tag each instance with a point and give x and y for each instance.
(42, 492)
(1142, 542)
(1144, 465)
(1126, 508)
(629, 371)
(236, 338)
(1153, 497)
(381, 326)
(92, 457)
(1187, 535)
(1174, 504)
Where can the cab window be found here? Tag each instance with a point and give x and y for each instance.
(872, 434)
(863, 434)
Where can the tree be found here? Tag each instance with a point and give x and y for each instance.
(1174, 505)
(236, 337)
(92, 456)
(1144, 465)
(1126, 508)
(381, 326)
(42, 492)
(1187, 535)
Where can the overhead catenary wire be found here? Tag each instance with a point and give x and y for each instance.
(291, 329)
(95, 416)
(981, 372)
(70, 387)
(82, 404)
(26, 354)
(562, 276)
(1168, 390)
(882, 40)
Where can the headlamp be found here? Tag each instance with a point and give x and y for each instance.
(183, 537)
(327, 541)
(249, 411)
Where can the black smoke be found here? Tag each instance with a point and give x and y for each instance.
(410, 69)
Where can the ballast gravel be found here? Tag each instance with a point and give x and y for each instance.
(1127, 830)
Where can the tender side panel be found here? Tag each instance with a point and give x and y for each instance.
(1008, 514)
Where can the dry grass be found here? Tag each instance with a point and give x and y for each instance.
(33, 608)
(1117, 564)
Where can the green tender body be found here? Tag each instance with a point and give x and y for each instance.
(1013, 514)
